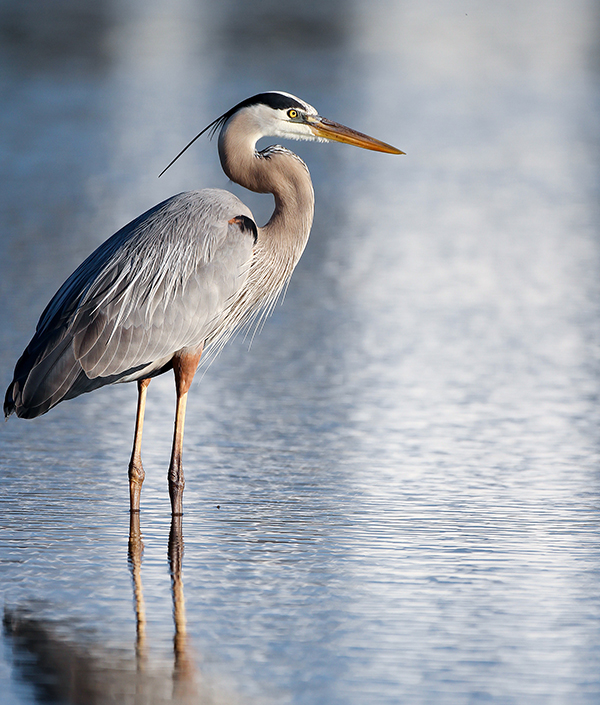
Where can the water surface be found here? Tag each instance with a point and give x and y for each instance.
(392, 496)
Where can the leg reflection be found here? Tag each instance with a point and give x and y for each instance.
(184, 681)
(135, 552)
(183, 672)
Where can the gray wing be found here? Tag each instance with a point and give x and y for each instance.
(162, 283)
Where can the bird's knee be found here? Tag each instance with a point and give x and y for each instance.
(136, 472)
(176, 479)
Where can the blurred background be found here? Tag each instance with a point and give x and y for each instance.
(392, 493)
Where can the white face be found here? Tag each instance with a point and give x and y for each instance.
(287, 122)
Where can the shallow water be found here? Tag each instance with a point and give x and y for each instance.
(393, 495)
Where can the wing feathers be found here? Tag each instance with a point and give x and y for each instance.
(49, 380)
(160, 284)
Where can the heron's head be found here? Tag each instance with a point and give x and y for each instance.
(280, 114)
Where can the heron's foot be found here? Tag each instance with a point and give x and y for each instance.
(136, 479)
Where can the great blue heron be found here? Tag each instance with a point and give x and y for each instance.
(182, 276)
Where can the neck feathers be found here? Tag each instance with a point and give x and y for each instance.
(282, 240)
(275, 170)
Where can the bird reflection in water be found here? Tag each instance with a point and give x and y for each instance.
(184, 670)
(64, 666)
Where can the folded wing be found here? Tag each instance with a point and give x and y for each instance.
(161, 284)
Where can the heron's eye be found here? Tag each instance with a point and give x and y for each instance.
(292, 114)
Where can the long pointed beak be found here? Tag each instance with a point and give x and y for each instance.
(326, 129)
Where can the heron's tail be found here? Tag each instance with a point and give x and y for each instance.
(9, 402)
(48, 372)
(43, 377)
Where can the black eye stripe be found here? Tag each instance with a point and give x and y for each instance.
(277, 101)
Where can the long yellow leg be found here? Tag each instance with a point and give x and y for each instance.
(176, 478)
(184, 367)
(136, 471)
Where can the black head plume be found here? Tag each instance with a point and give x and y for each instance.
(274, 99)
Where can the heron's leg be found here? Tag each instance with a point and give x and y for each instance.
(184, 367)
(136, 471)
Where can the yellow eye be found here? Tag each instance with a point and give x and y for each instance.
(292, 114)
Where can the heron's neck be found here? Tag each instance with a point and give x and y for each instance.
(278, 171)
